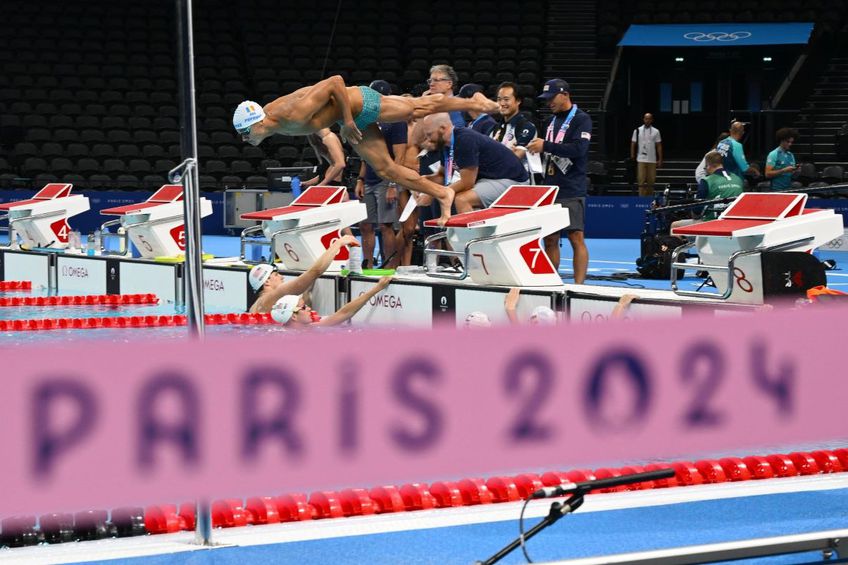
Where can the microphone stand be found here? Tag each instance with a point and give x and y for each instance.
(576, 493)
(558, 510)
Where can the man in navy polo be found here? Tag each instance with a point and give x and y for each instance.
(484, 123)
(476, 167)
(381, 196)
(565, 154)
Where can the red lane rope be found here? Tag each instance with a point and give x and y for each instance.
(468, 492)
(91, 300)
(129, 322)
(15, 285)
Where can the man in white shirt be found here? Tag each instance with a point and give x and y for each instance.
(646, 149)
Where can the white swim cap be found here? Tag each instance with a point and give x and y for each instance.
(477, 320)
(247, 114)
(259, 274)
(543, 316)
(283, 310)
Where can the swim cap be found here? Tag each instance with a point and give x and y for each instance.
(247, 113)
(543, 316)
(259, 274)
(381, 86)
(283, 310)
(477, 320)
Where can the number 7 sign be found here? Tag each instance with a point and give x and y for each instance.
(536, 258)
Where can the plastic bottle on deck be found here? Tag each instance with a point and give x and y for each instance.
(354, 264)
(97, 241)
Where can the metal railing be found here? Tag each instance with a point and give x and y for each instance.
(729, 268)
(465, 254)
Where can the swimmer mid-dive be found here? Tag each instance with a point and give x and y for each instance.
(357, 110)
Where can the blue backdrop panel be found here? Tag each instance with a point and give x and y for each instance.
(716, 35)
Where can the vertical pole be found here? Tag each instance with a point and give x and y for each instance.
(191, 195)
(191, 206)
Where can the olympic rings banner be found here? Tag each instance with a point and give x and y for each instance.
(135, 423)
(716, 35)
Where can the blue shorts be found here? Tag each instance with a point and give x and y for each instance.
(371, 102)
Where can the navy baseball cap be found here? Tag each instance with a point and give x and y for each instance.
(469, 90)
(554, 87)
(382, 87)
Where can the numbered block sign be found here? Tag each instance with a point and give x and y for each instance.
(42, 221)
(301, 232)
(156, 226)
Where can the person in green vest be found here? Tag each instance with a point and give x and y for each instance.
(718, 183)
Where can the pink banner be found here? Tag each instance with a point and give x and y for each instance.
(101, 425)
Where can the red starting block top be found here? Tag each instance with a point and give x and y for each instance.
(320, 196)
(272, 213)
(166, 195)
(312, 197)
(748, 211)
(526, 197)
(49, 192)
(514, 199)
(465, 220)
(759, 206)
(723, 228)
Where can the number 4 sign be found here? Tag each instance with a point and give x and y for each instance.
(61, 229)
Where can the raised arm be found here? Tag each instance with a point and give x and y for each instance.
(305, 281)
(347, 311)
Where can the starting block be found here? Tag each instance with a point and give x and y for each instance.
(756, 226)
(156, 226)
(501, 244)
(42, 221)
(302, 231)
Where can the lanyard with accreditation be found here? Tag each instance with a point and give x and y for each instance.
(449, 162)
(560, 135)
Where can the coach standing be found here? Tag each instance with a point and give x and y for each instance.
(565, 154)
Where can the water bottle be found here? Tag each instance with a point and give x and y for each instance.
(74, 241)
(354, 264)
(295, 186)
(90, 246)
(122, 240)
(97, 241)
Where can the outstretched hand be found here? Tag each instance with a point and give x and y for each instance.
(351, 133)
(384, 282)
(348, 240)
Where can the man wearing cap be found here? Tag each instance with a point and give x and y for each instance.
(484, 123)
(357, 109)
(291, 310)
(476, 167)
(271, 286)
(381, 196)
(565, 155)
(515, 131)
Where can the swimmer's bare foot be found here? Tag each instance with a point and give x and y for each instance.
(445, 201)
(487, 106)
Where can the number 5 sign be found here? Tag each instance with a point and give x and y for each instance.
(178, 235)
